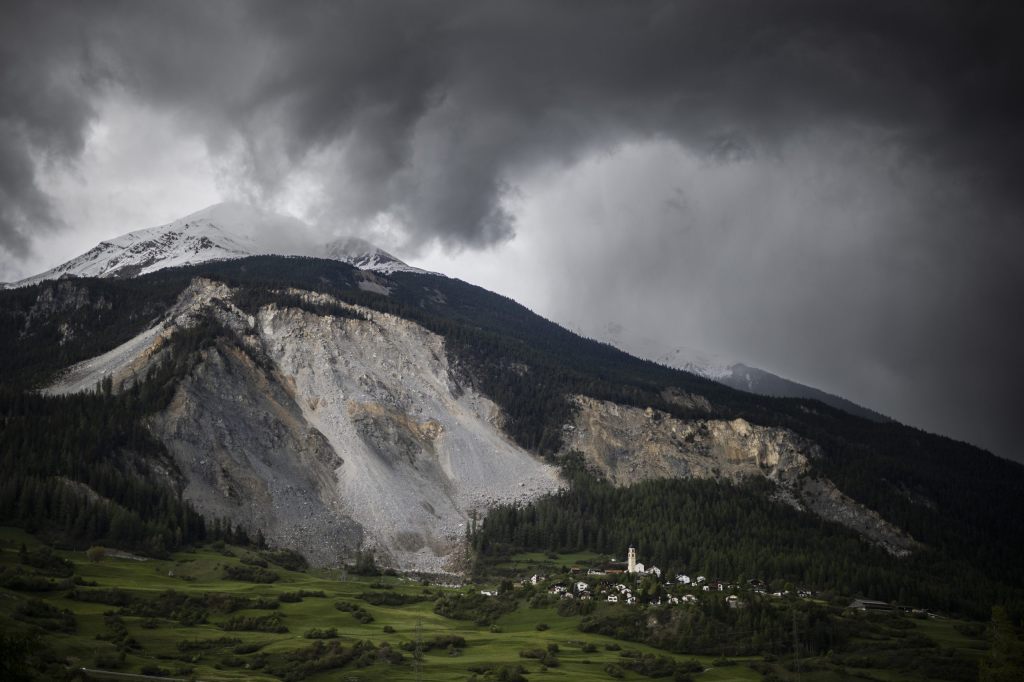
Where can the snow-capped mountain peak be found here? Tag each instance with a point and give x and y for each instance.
(708, 365)
(220, 232)
(365, 256)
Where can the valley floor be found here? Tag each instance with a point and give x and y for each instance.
(365, 636)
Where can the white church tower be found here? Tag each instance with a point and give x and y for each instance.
(631, 560)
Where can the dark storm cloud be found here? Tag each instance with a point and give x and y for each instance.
(45, 80)
(438, 106)
(436, 112)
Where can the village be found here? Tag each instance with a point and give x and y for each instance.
(633, 583)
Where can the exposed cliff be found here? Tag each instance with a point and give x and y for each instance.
(328, 432)
(629, 444)
(419, 451)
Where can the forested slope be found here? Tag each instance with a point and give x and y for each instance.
(963, 503)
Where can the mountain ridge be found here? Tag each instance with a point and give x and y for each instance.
(221, 231)
(230, 230)
(734, 374)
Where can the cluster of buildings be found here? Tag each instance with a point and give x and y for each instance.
(601, 585)
(621, 592)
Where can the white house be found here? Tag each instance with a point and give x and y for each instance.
(536, 579)
(613, 598)
(689, 599)
(489, 593)
(582, 586)
(654, 570)
(683, 578)
(701, 580)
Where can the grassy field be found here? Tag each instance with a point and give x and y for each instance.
(201, 572)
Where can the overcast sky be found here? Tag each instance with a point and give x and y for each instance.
(832, 191)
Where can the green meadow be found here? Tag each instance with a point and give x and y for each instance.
(116, 637)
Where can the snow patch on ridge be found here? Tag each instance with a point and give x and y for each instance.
(365, 256)
(220, 232)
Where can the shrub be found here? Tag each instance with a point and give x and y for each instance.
(252, 574)
(189, 645)
(288, 559)
(358, 612)
(293, 597)
(392, 598)
(95, 553)
(449, 642)
(109, 596)
(504, 673)
(474, 607)
(317, 633)
(251, 560)
(366, 564)
(249, 648)
(48, 617)
(269, 623)
(15, 578)
(541, 627)
(46, 562)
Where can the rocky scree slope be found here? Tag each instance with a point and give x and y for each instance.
(627, 445)
(329, 433)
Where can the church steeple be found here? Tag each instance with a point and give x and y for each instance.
(631, 560)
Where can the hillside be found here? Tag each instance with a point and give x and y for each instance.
(270, 318)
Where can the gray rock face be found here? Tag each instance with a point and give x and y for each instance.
(347, 433)
(420, 452)
(628, 444)
(247, 455)
(824, 499)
